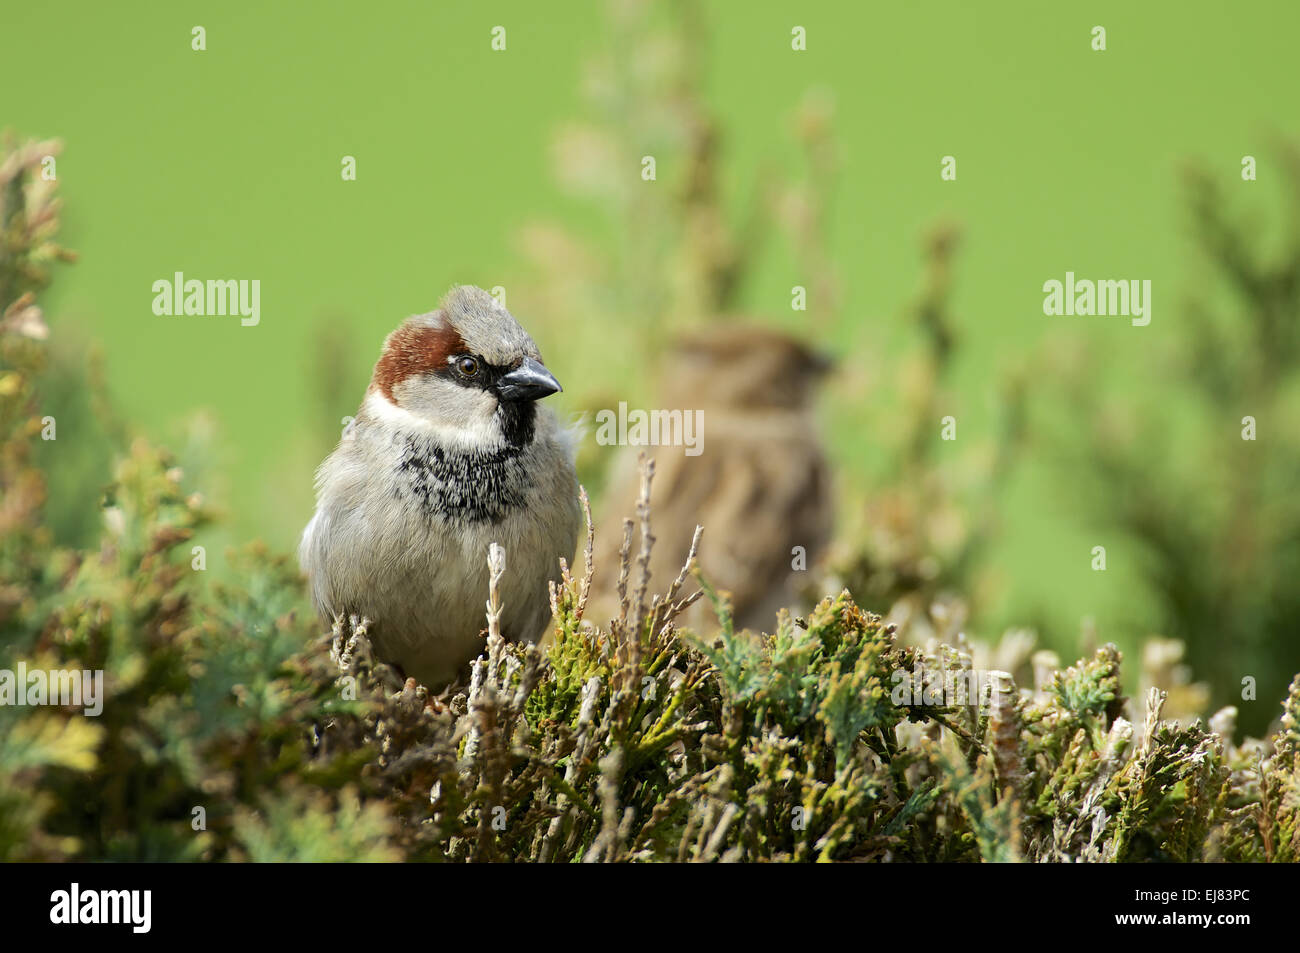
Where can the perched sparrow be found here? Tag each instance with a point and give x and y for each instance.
(448, 454)
(759, 486)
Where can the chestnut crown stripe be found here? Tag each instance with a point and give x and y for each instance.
(415, 349)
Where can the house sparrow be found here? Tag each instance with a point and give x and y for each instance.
(760, 485)
(448, 454)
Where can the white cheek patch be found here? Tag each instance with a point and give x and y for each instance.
(465, 418)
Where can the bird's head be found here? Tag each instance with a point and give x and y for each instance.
(468, 370)
(746, 366)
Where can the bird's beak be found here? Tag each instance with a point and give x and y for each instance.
(529, 381)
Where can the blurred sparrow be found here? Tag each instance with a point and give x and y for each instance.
(447, 454)
(760, 486)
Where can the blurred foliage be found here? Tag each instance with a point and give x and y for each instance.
(1213, 514)
(672, 247)
(674, 252)
(676, 255)
(916, 545)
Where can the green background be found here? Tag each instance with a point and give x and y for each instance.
(225, 164)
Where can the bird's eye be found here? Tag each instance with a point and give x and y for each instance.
(467, 366)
